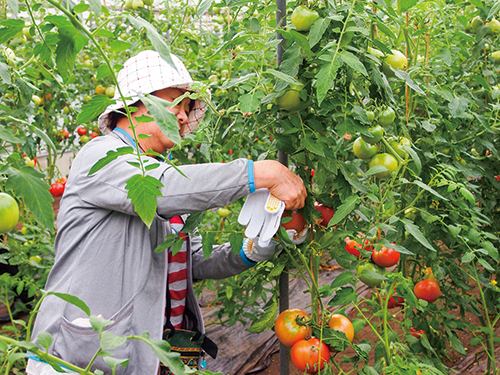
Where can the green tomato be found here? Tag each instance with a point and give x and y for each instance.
(370, 115)
(223, 212)
(388, 161)
(290, 100)
(35, 260)
(386, 117)
(9, 213)
(364, 150)
(136, 4)
(367, 273)
(399, 146)
(110, 91)
(476, 23)
(494, 25)
(303, 18)
(496, 56)
(377, 134)
(397, 60)
(84, 139)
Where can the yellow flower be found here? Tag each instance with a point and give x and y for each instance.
(493, 282)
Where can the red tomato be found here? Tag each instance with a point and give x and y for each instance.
(416, 333)
(64, 134)
(427, 290)
(298, 222)
(326, 213)
(395, 301)
(63, 180)
(230, 152)
(311, 355)
(339, 322)
(94, 135)
(56, 189)
(286, 327)
(82, 130)
(385, 257)
(352, 247)
(498, 178)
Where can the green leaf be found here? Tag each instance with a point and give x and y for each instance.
(44, 339)
(156, 39)
(430, 190)
(177, 245)
(70, 43)
(468, 257)
(113, 363)
(14, 6)
(236, 241)
(203, 7)
(193, 221)
(238, 81)
(300, 39)
(73, 300)
(417, 234)
(169, 241)
(93, 108)
(5, 73)
(110, 156)
(486, 265)
(458, 106)
(44, 137)
(467, 195)
(208, 242)
(326, 77)
(119, 46)
(492, 250)
(8, 135)
(282, 76)
(98, 323)
(96, 6)
(110, 341)
(251, 102)
(10, 28)
(143, 192)
(103, 71)
(318, 28)
(493, 10)
(292, 60)
(406, 77)
(353, 62)
(166, 120)
(266, 321)
(313, 146)
(343, 296)
(346, 277)
(28, 184)
(167, 357)
(344, 209)
(405, 5)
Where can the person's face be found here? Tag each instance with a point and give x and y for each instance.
(158, 141)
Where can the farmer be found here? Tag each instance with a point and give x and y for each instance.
(104, 253)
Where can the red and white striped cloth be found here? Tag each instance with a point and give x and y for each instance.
(177, 277)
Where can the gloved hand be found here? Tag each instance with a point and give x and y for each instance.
(256, 253)
(261, 214)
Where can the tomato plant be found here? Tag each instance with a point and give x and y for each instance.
(427, 290)
(342, 323)
(9, 213)
(288, 330)
(310, 355)
(385, 257)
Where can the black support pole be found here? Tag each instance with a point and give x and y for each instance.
(283, 159)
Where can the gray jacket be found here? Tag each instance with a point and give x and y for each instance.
(104, 254)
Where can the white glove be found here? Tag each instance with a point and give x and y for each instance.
(261, 214)
(297, 238)
(257, 253)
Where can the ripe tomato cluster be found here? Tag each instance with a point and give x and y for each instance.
(309, 354)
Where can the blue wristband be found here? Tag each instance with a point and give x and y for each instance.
(245, 260)
(251, 177)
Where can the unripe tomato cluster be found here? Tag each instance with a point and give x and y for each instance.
(308, 353)
(368, 145)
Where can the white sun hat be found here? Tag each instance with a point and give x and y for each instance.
(145, 73)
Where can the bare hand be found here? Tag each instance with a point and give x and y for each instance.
(282, 183)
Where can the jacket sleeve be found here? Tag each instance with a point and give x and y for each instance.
(222, 262)
(204, 186)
